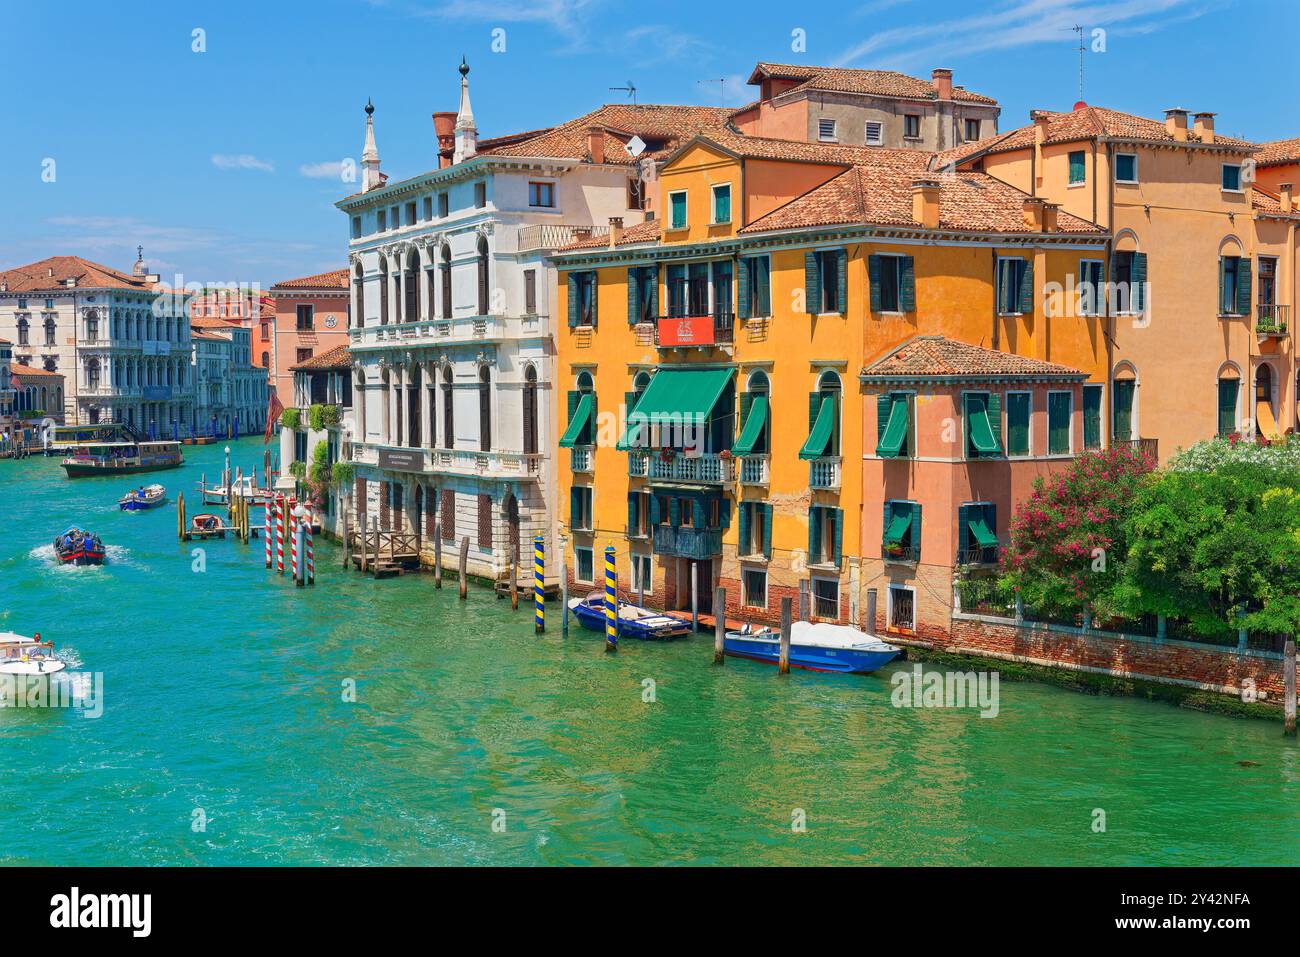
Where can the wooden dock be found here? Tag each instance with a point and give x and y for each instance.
(384, 554)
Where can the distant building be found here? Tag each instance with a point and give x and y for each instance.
(122, 343)
(323, 383)
(311, 317)
(231, 394)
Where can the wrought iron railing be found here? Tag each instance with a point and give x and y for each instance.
(1272, 319)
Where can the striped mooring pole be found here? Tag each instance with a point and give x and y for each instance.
(279, 535)
(311, 561)
(269, 531)
(297, 551)
(611, 601)
(539, 587)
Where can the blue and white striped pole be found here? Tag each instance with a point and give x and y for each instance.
(539, 580)
(611, 601)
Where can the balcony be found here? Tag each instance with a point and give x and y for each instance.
(709, 468)
(695, 332)
(1149, 446)
(580, 458)
(824, 473)
(687, 542)
(503, 465)
(754, 470)
(1272, 325)
(900, 552)
(638, 464)
(554, 235)
(432, 332)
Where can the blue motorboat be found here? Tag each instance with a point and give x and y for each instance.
(816, 646)
(633, 620)
(146, 496)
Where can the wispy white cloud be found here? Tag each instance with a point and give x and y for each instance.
(564, 15)
(1013, 24)
(241, 161)
(652, 44)
(327, 170)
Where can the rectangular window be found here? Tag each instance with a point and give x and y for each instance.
(891, 282)
(1092, 287)
(530, 292)
(303, 355)
(1229, 277)
(1078, 168)
(983, 414)
(444, 203)
(828, 266)
(306, 317)
(484, 521)
(580, 507)
(356, 227)
(754, 581)
(1122, 410)
(1231, 178)
(635, 194)
(1060, 406)
(1011, 282)
(826, 131)
(677, 210)
(584, 570)
(1019, 412)
(586, 284)
(826, 598)
(642, 574)
(1126, 168)
(394, 218)
(758, 287)
(381, 217)
(541, 194)
(912, 126)
(972, 130)
(722, 203)
(480, 195)
(1092, 416)
(873, 133)
(410, 213)
(902, 608)
(1228, 391)
(977, 539)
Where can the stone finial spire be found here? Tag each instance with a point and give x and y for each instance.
(370, 177)
(138, 268)
(466, 132)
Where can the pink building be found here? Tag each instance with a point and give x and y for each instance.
(311, 317)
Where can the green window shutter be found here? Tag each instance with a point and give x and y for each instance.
(1058, 423)
(632, 511)
(575, 505)
(1027, 288)
(842, 280)
(884, 527)
(742, 541)
(655, 516)
(595, 301)
(1122, 428)
(1018, 423)
(814, 534)
(629, 401)
(574, 398)
(1228, 406)
(884, 405)
(767, 530)
(726, 513)
(764, 283)
(1092, 417)
(746, 403)
(837, 516)
(1243, 287)
(589, 430)
(742, 288)
(1140, 282)
(697, 512)
(1223, 281)
(652, 277)
(814, 406)
(573, 300)
(907, 286)
(873, 276)
(963, 532)
(916, 531)
(995, 418)
(1004, 286)
(674, 511)
(812, 286)
(633, 295)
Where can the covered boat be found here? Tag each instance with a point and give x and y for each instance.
(76, 546)
(815, 646)
(146, 496)
(27, 657)
(206, 525)
(633, 620)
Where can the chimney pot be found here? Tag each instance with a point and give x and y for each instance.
(925, 202)
(1204, 126)
(444, 128)
(941, 79)
(615, 230)
(1176, 123)
(1284, 194)
(596, 144)
(1033, 213)
(1050, 211)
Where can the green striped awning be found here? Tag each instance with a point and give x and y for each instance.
(982, 534)
(581, 416)
(898, 526)
(676, 396)
(891, 443)
(820, 435)
(753, 427)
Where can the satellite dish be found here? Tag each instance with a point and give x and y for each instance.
(636, 146)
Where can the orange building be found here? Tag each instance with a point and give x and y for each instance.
(311, 315)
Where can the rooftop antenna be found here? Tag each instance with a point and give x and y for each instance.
(722, 88)
(1079, 30)
(630, 90)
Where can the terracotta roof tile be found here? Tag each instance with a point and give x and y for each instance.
(646, 232)
(1278, 152)
(801, 151)
(52, 274)
(1095, 121)
(210, 322)
(1268, 203)
(337, 358)
(874, 82)
(940, 357)
(335, 279)
(20, 370)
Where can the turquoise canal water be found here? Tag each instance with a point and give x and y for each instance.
(223, 692)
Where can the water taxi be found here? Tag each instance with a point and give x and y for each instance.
(144, 497)
(818, 646)
(113, 449)
(21, 656)
(79, 547)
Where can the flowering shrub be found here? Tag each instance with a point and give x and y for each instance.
(1282, 455)
(1067, 541)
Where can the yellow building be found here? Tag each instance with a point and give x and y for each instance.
(715, 427)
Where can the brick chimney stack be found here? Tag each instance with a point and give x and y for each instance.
(1176, 123)
(1203, 126)
(1033, 212)
(1050, 211)
(444, 128)
(925, 202)
(1284, 194)
(941, 79)
(615, 230)
(596, 144)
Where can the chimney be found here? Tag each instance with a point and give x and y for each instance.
(1284, 194)
(596, 144)
(941, 79)
(1033, 212)
(1040, 125)
(49, 272)
(1203, 125)
(615, 231)
(1176, 123)
(444, 128)
(925, 202)
(1049, 216)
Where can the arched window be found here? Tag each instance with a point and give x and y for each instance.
(413, 424)
(358, 308)
(448, 410)
(266, 360)
(383, 292)
(485, 409)
(51, 365)
(92, 373)
(51, 336)
(22, 332)
(828, 387)
(531, 442)
(411, 288)
(1264, 384)
(484, 303)
(444, 267)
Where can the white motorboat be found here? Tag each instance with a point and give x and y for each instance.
(817, 646)
(21, 656)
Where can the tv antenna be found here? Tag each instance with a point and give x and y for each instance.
(630, 90)
(722, 88)
(1079, 30)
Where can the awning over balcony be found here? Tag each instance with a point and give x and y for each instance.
(819, 437)
(981, 427)
(1265, 423)
(981, 533)
(680, 396)
(581, 416)
(898, 526)
(895, 434)
(752, 430)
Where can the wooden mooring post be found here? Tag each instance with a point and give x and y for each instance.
(347, 545)
(783, 665)
(180, 516)
(695, 598)
(719, 624)
(464, 562)
(514, 576)
(437, 559)
(374, 566)
(1288, 688)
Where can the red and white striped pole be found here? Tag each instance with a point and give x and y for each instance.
(279, 535)
(297, 567)
(267, 529)
(311, 562)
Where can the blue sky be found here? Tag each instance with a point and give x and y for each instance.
(220, 163)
